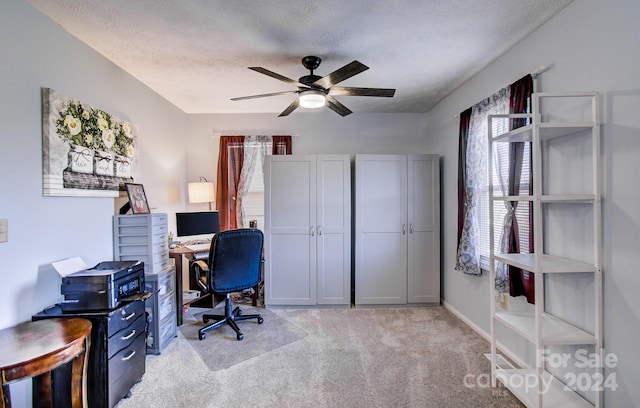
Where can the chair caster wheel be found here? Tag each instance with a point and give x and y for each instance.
(239, 312)
(202, 336)
(205, 320)
(240, 336)
(260, 320)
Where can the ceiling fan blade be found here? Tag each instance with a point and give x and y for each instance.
(337, 107)
(278, 77)
(344, 91)
(263, 95)
(294, 105)
(341, 74)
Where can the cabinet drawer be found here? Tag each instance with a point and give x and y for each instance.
(142, 220)
(126, 368)
(167, 330)
(166, 306)
(124, 317)
(126, 336)
(152, 264)
(166, 284)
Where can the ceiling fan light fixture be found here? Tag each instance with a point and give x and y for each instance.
(312, 99)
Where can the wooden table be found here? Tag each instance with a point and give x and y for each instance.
(35, 349)
(178, 254)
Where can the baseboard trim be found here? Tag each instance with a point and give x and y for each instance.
(501, 347)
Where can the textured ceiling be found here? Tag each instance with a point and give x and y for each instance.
(195, 53)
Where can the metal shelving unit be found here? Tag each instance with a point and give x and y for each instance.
(539, 326)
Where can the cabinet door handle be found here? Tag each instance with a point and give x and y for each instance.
(404, 229)
(133, 353)
(411, 228)
(311, 231)
(129, 317)
(319, 229)
(130, 335)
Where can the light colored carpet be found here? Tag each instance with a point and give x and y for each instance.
(274, 332)
(386, 357)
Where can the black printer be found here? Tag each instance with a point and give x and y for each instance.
(105, 286)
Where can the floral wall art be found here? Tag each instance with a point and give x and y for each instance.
(86, 151)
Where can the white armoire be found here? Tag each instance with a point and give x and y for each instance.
(307, 230)
(397, 229)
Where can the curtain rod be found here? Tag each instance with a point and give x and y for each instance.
(540, 70)
(535, 74)
(217, 133)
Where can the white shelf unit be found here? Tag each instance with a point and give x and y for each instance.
(143, 237)
(540, 327)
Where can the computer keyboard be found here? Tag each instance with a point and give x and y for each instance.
(199, 247)
(198, 256)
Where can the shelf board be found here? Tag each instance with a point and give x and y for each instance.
(549, 263)
(513, 198)
(568, 198)
(547, 130)
(521, 134)
(551, 198)
(554, 330)
(550, 130)
(518, 381)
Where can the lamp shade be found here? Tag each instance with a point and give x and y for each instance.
(312, 99)
(201, 192)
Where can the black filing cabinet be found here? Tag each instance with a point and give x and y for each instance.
(117, 351)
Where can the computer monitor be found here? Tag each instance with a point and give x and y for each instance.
(189, 224)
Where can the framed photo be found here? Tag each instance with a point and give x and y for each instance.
(137, 198)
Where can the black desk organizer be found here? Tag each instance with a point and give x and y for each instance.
(116, 356)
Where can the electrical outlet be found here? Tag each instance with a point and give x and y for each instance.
(4, 230)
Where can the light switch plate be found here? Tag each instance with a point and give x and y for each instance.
(4, 227)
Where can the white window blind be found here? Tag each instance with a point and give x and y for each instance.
(501, 164)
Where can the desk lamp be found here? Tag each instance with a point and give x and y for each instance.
(202, 192)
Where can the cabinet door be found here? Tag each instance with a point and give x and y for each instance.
(381, 229)
(424, 229)
(290, 242)
(333, 230)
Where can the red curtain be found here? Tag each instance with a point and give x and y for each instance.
(521, 282)
(230, 158)
(463, 136)
(281, 145)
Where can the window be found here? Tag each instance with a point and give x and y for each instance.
(253, 203)
(511, 174)
(501, 168)
(240, 188)
(251, 194)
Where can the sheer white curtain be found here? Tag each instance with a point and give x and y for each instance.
(255, 149)
(476, 182)
(508, 157)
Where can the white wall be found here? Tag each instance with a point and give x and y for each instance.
(590, 45)
(35, 53)
(313, 133)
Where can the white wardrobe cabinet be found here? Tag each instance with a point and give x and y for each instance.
(397, 229)
(307, 230)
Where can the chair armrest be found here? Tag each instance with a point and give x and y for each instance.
(200, 270)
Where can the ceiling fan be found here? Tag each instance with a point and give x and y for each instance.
(315, 91)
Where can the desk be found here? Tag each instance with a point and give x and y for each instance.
(35, 349)
(178, 254)
(207, 300)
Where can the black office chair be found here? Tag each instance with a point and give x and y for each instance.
(235, 263)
